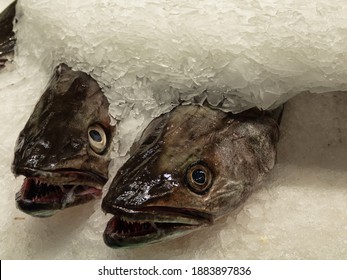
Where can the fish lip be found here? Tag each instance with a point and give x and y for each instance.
(161, 223)
(62, 188)
(62, 172)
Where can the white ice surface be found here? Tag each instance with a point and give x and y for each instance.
(262, 51)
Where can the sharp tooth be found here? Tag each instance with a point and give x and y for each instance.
(154, 225)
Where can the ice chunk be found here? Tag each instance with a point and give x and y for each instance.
(267, 53)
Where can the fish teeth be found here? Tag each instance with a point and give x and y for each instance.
(154, 226)
(61, 188)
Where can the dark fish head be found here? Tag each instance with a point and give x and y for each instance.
(64, 148)
(190, 167)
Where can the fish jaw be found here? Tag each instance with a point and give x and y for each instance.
(134, 228)
(43, 193)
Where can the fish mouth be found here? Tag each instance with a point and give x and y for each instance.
(45, 192)
(129, 228)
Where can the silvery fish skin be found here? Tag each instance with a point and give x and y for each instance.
(64, 148)
(7, 36)
(190, 167)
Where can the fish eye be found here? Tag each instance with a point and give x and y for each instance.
(97, 138)
(199, 177)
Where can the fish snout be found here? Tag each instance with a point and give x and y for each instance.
(46, 151)
(29, 155)
(138, 192)
(34, 154)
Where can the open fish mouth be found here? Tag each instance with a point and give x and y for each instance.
(42, 193)
(139, 227)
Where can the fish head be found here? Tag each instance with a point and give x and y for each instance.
(190, 167)
(64, 148)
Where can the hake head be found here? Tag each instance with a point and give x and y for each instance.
(64, 148)
(190, 167)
